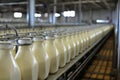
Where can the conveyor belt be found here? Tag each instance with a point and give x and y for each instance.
(101, 66)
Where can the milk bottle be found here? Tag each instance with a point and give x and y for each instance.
(61, 49)
(52, 52)
(26, 60)
(41, 56)
(9, 69)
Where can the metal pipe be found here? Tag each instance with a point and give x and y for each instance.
(18, 3)
(91, 16)
(63, 18)
(75, 9)
(48, 11)
(73, 2)
(31, 12)
(13, 3)
(95, 4)
(107, 5)
(80, 12)
(54, 11)
(118, 33)
(12, 28)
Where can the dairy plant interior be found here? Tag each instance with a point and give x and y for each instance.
(59, 40)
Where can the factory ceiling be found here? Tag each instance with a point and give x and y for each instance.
(47, 5)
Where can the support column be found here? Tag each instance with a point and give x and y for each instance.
(48, 11)
(91, 16)
(118, 34)
(75, 9)
(63, 18)
(30, 13)
(80, 12)
(54, 11)
(117, 37)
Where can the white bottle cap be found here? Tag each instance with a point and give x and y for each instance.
(38, 38)
(24, 41)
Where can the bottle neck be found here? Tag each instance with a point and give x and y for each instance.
(24, 49)
(37, 42)
(58, 39)
(50, 40)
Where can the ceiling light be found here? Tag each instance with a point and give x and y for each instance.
(57, 15)
(102, 21)
(46, 14)
(69, 13)
(37, 15)
(17, 15)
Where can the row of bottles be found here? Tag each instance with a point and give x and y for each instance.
(37, 29)
(44, 53)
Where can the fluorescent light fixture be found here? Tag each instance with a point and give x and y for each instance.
(37, 15)
(57, 15)
(72, 13)
(65, 14)
(46, 14)
(17, 14)
(69, 13)
(102, 21)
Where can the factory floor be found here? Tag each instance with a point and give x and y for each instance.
(100, 67)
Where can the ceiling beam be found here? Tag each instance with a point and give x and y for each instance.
(106, 3)
(95, 4)
(13, 3)
(77, 2)
(18, 3)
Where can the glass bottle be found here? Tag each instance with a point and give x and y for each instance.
(9, 69)
(26, 60)
(41, 56)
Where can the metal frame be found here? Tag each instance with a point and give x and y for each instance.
(54, 11)
(118, 56)
(118, 36)
(80, 12)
